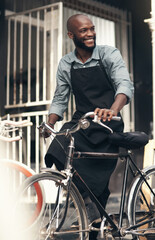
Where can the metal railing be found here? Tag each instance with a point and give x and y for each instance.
(34, 49)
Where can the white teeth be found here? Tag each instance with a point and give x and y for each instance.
(89, 40)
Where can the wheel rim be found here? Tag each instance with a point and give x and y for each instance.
(144, 204)
(53, 215)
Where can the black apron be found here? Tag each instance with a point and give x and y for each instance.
(91, 89)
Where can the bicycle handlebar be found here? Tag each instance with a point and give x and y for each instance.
(96, 120)
(82, 123)
(7, 126)
(88, 114)
(23, 123)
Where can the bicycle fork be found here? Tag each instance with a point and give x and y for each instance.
(67, 181)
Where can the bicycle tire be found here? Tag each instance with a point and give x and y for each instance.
(141, 204)
(16, 173)
(21, 167)
(75, 225)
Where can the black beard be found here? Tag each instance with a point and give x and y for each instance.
(82, 45)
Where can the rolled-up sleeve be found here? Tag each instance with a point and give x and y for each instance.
(118, 73)
(60, 100)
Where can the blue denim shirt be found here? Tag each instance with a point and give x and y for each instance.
(114, 66)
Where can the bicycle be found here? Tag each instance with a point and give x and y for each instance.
(64, 215)
(13, 168)
(12, 174)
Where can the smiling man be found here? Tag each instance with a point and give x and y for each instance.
(100, 82)
(83, 35)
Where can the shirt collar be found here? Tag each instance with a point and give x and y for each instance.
(95, 55)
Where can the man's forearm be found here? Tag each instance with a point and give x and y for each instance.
(53, 118)
(120, 101)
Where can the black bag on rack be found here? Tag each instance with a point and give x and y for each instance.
(129, 140)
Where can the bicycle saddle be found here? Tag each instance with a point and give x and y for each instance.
(129, 140)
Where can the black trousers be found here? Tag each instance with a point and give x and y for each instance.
(102, 198)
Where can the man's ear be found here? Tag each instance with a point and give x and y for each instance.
(70, 35)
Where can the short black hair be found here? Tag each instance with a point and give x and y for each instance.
(70, 21)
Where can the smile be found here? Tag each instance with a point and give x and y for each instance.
(89, 40)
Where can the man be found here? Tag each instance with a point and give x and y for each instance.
(99, 80)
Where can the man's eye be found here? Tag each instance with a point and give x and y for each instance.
(83, 30)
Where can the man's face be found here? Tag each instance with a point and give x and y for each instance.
(86, 44)
(83, 34)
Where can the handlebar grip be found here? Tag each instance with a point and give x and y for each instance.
(26, 124)
(116, 118)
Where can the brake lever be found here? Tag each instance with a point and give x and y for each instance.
(96, 120)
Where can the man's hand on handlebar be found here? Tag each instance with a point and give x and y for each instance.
(105, 114)
(83, 123)
(52, 118)
(44, 132)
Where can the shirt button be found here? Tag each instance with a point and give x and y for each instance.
(84, 66)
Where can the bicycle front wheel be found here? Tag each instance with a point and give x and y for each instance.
(55, 220)
(141, 207)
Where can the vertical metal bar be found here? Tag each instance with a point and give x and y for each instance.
(66, 50)
(29, 144)
(60, 31)
(111, 36)
(37, 145)
(65, 31)
(29, 59)
(37, 56)
(97, 27)
(60, 46)
(13, 146)
(124, 46)
(132, 110)
(151, 23)
(44, 56)
(8, 64)
(15, 63)
(42, 163)
(20, 145)
(7, 144)
(107, 28)
(51, 52)
(21, 62)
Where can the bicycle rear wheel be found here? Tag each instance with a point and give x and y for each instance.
(15, 171)
(12, 175)
(141, 205)
(46, 225)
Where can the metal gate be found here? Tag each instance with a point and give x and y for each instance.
(37, 39)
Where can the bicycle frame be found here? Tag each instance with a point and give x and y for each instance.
(127, 156)
(69, 171)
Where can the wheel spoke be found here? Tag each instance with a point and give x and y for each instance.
(53, 209)
(142, 207)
